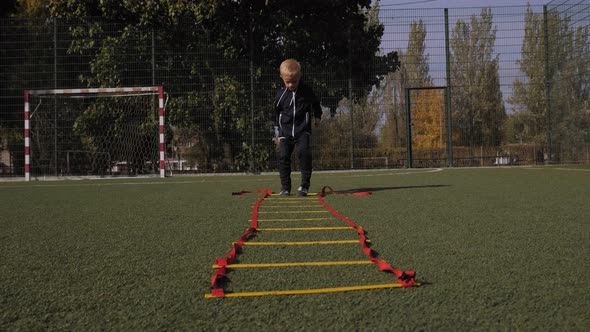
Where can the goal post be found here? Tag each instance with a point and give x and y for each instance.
(94, 132)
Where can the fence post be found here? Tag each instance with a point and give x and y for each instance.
(448, 94)
(251, 64)
(350, 99)
(153, 58)
(547, 83)
(409, 156)
(54, 97)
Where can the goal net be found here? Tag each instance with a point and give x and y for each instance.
(94, 132)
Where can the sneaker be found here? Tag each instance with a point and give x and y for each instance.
(302, 192)
(284, 193)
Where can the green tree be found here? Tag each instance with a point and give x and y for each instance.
(22, 22)
(7, 8)
(476, 101)
(416, 60)
(414, 72)
(528, 96)
(392, 134)
(565, 73)
(337, 137)
(331, 38)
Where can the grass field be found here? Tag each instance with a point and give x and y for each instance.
(496, 249)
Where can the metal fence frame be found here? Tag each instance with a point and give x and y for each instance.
(51, 66)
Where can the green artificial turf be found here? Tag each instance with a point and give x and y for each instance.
(496, 249)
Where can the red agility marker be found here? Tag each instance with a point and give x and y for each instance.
(405, 278)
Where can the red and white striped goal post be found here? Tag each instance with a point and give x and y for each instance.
(131, 90)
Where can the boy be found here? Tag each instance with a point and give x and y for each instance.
(295, 104)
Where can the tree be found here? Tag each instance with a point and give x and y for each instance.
(32, 8)
(476, 101)
(428, 119)
(330, 38)
(415, 60)
(575, 78)
(529, 97)
(21, 24)
(7, 8)
(392, 93)
(336, 135)
(263, 31)
(413, 72)
(566, 73)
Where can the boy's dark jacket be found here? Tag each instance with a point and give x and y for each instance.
(293, 115)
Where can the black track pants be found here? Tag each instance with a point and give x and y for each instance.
(286, 148)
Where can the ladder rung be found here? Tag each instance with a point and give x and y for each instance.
(302, 243)
(292, 212)
(281, 229)
(293, 264)
(294, 219)
(312, 290)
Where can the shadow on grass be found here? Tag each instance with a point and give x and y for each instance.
(374, 189)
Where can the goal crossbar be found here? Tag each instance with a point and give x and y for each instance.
(159, 90)
(94, 90)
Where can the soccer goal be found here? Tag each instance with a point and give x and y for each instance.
(94, 132)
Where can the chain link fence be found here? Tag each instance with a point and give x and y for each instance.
(474, 87)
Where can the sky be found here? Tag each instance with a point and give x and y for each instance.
(397, 15)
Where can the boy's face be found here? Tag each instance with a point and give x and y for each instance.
(291, 81)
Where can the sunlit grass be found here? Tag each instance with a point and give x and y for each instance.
(497, 249)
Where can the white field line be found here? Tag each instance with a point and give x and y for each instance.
(542, 168)
(571, 169)
(386, 173)
(201, 178)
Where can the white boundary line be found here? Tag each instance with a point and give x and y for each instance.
(551, 168)
(262, 177)
(572, 169)
(200, 178)
(386, 172)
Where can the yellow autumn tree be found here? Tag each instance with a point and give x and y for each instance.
(33, 8)
(428, 114)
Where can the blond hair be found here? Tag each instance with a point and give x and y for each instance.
(290, 68)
